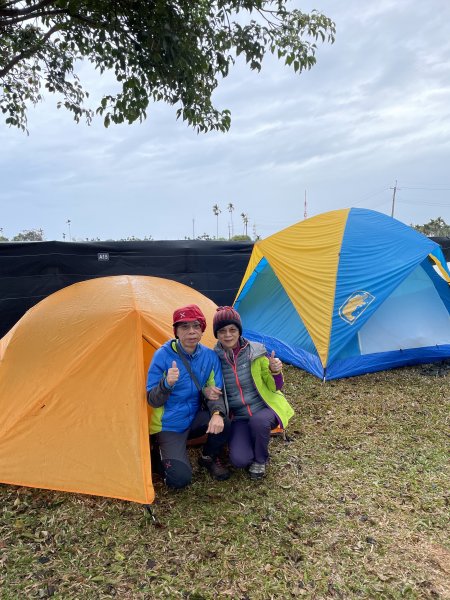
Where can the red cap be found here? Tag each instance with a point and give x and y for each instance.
(188, 313)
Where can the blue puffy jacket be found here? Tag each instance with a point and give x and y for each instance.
(174, 409)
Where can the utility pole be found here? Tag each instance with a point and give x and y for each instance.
(193, 229)
(68, 223)
(393, 198)
(305, 214)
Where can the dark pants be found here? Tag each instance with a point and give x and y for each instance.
(249, 439)
(170, 456)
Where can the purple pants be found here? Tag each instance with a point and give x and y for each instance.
(249, 439)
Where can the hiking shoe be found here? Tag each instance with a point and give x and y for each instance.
(257, 470)
(215, 467)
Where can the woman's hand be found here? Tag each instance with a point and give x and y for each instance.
(172, 374)
(275, 364)
(215, 424)
(212, 392)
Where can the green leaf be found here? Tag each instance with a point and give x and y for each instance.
(169, 52)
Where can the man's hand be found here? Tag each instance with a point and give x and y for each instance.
(215, 424)
(275, 364)
(212, 392)
(172, 374)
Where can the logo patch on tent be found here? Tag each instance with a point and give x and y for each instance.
(355, 305)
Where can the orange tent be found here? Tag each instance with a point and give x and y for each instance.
(73, 410)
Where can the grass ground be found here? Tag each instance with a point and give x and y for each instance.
(355, 506)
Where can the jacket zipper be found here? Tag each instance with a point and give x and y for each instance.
(233, 366)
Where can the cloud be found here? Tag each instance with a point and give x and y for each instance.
(373, 110)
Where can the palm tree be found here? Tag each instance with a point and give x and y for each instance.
(217, 211)
(245, 219)
(230, 209)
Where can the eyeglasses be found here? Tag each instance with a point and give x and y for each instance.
(186, 326)
(225, 330)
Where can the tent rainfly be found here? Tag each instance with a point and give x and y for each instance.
(347, 292)
(73, 410)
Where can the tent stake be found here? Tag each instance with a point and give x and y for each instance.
(150, 512)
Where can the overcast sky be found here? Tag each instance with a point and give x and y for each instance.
(374, 110)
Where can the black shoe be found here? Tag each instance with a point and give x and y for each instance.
(215, 467)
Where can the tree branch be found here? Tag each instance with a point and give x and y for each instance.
(29, 52)
(24, 11)
(21, 19)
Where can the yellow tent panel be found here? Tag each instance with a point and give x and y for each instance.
(73, 411)
(305, 258)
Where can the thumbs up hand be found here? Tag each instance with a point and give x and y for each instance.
(172, 374)
(275, 364)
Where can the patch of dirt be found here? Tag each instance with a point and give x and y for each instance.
(437, 558)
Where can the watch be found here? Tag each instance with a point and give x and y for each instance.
(217, 412)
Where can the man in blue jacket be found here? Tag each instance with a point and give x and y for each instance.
(179, 370)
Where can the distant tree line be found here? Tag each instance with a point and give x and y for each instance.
(37, 235)
(434, 228)
(27, 235)
(234, 238)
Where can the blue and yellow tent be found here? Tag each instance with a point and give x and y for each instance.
(348, 292)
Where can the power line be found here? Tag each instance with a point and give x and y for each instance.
(424, 202)
(427, 189)
(372, 194)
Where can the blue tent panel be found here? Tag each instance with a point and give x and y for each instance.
(251, 280)
(385, 360)
(288, 354)
(416, 301)
(285, 324)
(377, 254)
(439, 282)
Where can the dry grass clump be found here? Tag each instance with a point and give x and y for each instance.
(354, 506)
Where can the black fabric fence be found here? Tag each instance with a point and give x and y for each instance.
(30, 271)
